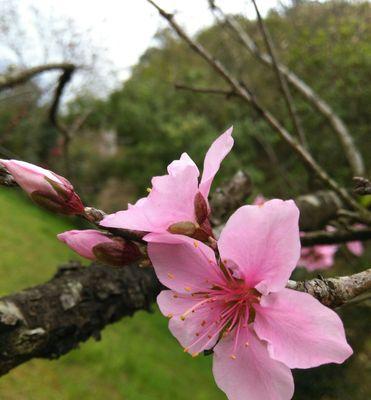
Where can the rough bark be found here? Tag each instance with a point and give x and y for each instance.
(51, 319)
(334, 292)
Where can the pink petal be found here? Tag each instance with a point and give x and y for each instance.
(215, 155)
(171, 200)
(133, 218)
(264, 242)
(355, 247)
(252, 375)
(300, 331)
(30, 177)
(196, 330)
(83, 241)
(174, 303)
(183, 264)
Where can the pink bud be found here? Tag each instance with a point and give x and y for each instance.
(98, 246)
(82, 242)
(45, 188)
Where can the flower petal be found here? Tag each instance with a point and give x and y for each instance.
(133, 218)
(264, 242)
(183, 264)
(215, 155)
(251, 374)
(174, 303)
(300, 331)
(196, 331)
(171, 200)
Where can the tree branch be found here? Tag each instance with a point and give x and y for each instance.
(352, 154)
(338, 236)
(12, 79)
(53, 116)
(334, 292)
(49, 320)
(281, 79)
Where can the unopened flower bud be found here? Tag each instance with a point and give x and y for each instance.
(45, 188)
(117, 252)
(101, 247)
(187, 228)
(201, 209)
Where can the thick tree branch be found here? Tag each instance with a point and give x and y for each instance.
(49, 320)
(353, 155)
(249, 98)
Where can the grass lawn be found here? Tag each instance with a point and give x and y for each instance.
(137, 358)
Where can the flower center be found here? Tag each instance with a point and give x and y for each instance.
(230, 307)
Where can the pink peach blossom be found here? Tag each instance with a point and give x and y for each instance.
(45, 187)
(98, 246)
(239, 306)
(320, 256)
(177, 201)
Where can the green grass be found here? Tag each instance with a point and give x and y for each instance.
(137, 358)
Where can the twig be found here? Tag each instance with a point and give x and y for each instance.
(352, 154)
(246, 95)
(339, 236)
(281, 79)
(53, 116)
(12, 79)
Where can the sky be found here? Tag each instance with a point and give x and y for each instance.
(125, 28)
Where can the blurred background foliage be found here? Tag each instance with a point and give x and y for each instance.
(134, 131)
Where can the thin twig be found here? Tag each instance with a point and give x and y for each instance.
(351, 152)
(339, 236)
(281, 79)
